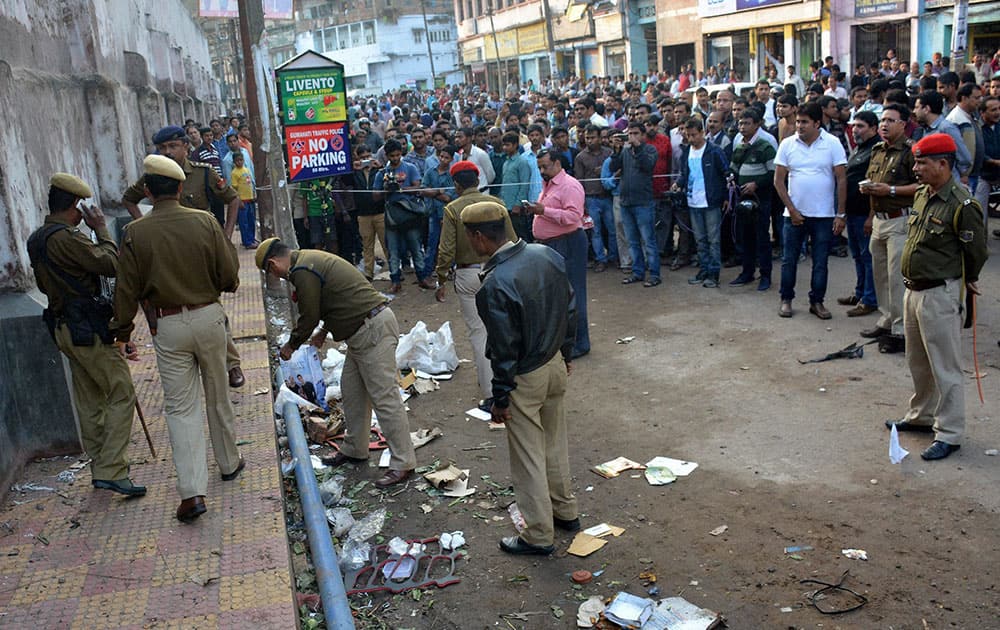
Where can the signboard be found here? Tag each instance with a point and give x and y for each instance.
(317, 151)
(708, 8)
(273, 9)
(531, 38)
(869, 8)
(744, 5)
(313, 95)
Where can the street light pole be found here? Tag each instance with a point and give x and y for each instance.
(427, 36)
(496, 47)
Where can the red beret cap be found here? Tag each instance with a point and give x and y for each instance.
(934, 144)
(466, 165)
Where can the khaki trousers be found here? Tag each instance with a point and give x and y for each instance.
(886, 247)
(539, 451)
(369, 381)
(932, 322)
(467, 282)
(190, 344)
(105, 403)
(372, 227)
(232, 355)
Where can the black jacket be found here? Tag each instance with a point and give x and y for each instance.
(527, 305)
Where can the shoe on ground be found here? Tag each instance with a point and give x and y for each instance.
(851, 300)
(764, 284)
(486, 405)
(235, 473)
(817, 309)
(874, 333)
(190, 509)
(121, 486)
(711, 283)
(679, 263)
(396, 288)
(861, 310)
(340, 459)
(572, 525)
(600, 268)
(891, 344)
(515, 546)
(785, 310)
(697, 279)
(236, 378)
(393, 477)
(740, 280)
(429, 284)
(652, 282)
(904, 425)
(632, 279)
(939, 450)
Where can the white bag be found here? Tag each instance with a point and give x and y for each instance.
(431, 352)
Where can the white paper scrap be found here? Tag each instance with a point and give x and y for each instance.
(896, 452)
(383, 460)
(679, 467)
(479, 414)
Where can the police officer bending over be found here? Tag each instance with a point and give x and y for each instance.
(68, 267)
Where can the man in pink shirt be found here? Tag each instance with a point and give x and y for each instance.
(558, 223)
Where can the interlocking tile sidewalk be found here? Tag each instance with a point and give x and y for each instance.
(112, 562)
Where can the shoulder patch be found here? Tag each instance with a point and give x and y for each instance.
(967, 202)
(200, 164)
(966, 236)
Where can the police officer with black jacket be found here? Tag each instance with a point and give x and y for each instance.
(68, 267)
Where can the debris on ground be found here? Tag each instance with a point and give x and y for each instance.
(896, 452)
(423, 436)
(798, 548)
(676, 613)
(451, 481)
(718, 531)
(452, 541)
(584, 544)
(603, 529)
(479, 414)
(855, 554)
(629, 611)
(589, 612)
(625, 340)
(385, 570)
(516, 517)
(430, 352)
(615, 467)
(331, 490)
(821, 594)
(30, 486)
(341, 520)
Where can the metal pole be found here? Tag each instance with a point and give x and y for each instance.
(336, 608)
(496, 47)
(427, 36)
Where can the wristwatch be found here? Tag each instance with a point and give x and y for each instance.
(892, 191)
(841, 216)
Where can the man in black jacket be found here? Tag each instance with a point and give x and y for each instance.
(527, 305)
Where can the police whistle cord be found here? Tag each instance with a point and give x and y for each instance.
(145, 429)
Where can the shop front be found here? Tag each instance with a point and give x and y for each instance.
(936, 24)
(609, 32)
(569, 32)
(677, 28)
(870, 28)
(752, 36)
(533, 56)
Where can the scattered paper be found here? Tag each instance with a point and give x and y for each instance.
(629, 611)
(452, 541)
(437, 377)
(602, 530)
(896, 452)
(679, 467)
(584, 544)
(589, 612)
(423, 436)
(676, 613)
(659, 476)
(479, 414)
(718, 531)
(496, 426)
(400, 569)
(425, 386)
(451, 481)
(615, 467)
(317, 463)
(625, 340)
(855, 554)
(383, 460)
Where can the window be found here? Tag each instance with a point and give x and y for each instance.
(418, 35)
(318, 40)
(356, 38)
(330, 38)
(343, 37)
(369, 29)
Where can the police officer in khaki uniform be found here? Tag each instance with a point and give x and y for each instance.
(454, 249)
(890, 189)
(178, 260)
(201, 187)
(331, 290)
(945, 247)
(527, 304)
(68, 267)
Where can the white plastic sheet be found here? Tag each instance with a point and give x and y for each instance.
(432, 352)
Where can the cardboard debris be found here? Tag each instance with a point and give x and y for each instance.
(584, 544)
(407, 381)
(479, 414)
(602, 530)
(615, 467)
(423, 436)
(451, 481)
(676, 613)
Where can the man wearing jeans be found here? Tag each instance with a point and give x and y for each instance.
(862, 299)
(813, 162)
(635, 162)
(703, 170)
(598, 202)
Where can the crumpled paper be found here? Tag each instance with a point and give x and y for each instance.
(896, 452)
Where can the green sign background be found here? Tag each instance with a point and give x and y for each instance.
(314, 95)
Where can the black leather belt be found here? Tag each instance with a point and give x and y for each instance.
(472, 266)
(894, 214)
(166, 311)
(378, 309)
(922, 285)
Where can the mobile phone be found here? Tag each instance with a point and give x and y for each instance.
(865, 183)
(525, 202)
(365, 163)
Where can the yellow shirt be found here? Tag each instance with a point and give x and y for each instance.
(243, 182)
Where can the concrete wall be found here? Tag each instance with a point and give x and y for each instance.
(84, 84)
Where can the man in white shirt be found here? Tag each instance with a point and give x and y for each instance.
(763, 92)
(472, 153)
(814, 163)
(793, 78)
(833, 87)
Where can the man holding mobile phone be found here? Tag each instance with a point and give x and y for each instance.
(68, 267)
